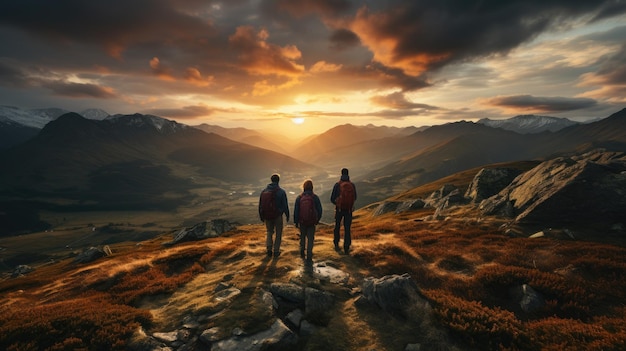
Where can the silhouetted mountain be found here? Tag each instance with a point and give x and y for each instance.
(527, 124)
(128, 161)
(38, 118)
(244, 135)
(13, 133)
(359, 146)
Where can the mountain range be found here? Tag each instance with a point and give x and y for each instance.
(148, 162)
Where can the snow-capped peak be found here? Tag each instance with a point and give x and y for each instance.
(528, 124)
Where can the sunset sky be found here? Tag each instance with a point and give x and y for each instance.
(261, 64)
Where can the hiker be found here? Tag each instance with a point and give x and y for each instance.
(272, 205)
(306, 215)
(343, 196)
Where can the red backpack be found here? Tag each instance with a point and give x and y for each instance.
(268, 207)
(345, 200)
(308, 214)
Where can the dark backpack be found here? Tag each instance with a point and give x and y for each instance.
(308, 214)
(268, 207)
(345, 200)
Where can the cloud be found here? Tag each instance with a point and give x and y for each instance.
(13, 76)
(303, 8)
(186, 112)
(398, 101)
(114, 25)
(421, 36)
(343, 38)
(80, 90)
(193, 76)
(610, 78)
(323, 66)
(161, 70)
(531, 103)
(259, 57)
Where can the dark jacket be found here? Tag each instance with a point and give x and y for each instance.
(335, 194)
(318, 206)
(281, 200)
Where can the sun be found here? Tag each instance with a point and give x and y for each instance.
(298, 120)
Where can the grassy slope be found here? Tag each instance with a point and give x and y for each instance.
(464, 267)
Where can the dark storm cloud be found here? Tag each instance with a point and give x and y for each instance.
(307, 7)
(398, 101)
(344, 38)
(113, 24)
(187, 112)
(544, 104)
(11, 75)
(418, 36)
(79, 90)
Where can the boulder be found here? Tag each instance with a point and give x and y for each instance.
(89, 255)
(288, 291)
(527, 297)
(203, 230)
(21, 270)
(591, 187)
(396, 294)
(490, 181)
(279, 336)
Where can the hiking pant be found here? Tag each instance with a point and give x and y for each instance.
(307, 237)
(346, 216)
(274, 225)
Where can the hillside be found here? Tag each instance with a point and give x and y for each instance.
(128, 163)
(198, 294)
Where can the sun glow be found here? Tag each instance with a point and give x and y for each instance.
(298, 120)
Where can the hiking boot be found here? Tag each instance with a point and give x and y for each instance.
(346, 250)
(336, 247)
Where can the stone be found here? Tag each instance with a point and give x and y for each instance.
(168, 337)
(278, 336)
(528, 298)
(395, 294)
(203, 230)
(288, 291)
(210, 335)
(323, 271)
(295, 317)
(21, 270)
(89, 255)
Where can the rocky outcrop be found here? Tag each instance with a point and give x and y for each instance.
(591, 187)
(490, 181)
(203, 230)
(91, 254)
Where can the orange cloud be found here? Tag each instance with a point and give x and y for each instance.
(160, 71)
(259, 57)
(323, 66)
(386, 45)
(193, 76)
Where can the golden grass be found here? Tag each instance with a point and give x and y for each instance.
(465, 268)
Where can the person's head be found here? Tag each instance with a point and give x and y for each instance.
(344, 171)
(308, 185)
(275, 178)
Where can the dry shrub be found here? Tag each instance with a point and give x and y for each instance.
(476, 324)
(569, 334)
(82, 323)
(150, 280)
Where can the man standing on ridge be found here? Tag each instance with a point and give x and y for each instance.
(272, 205)
(343, 196)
